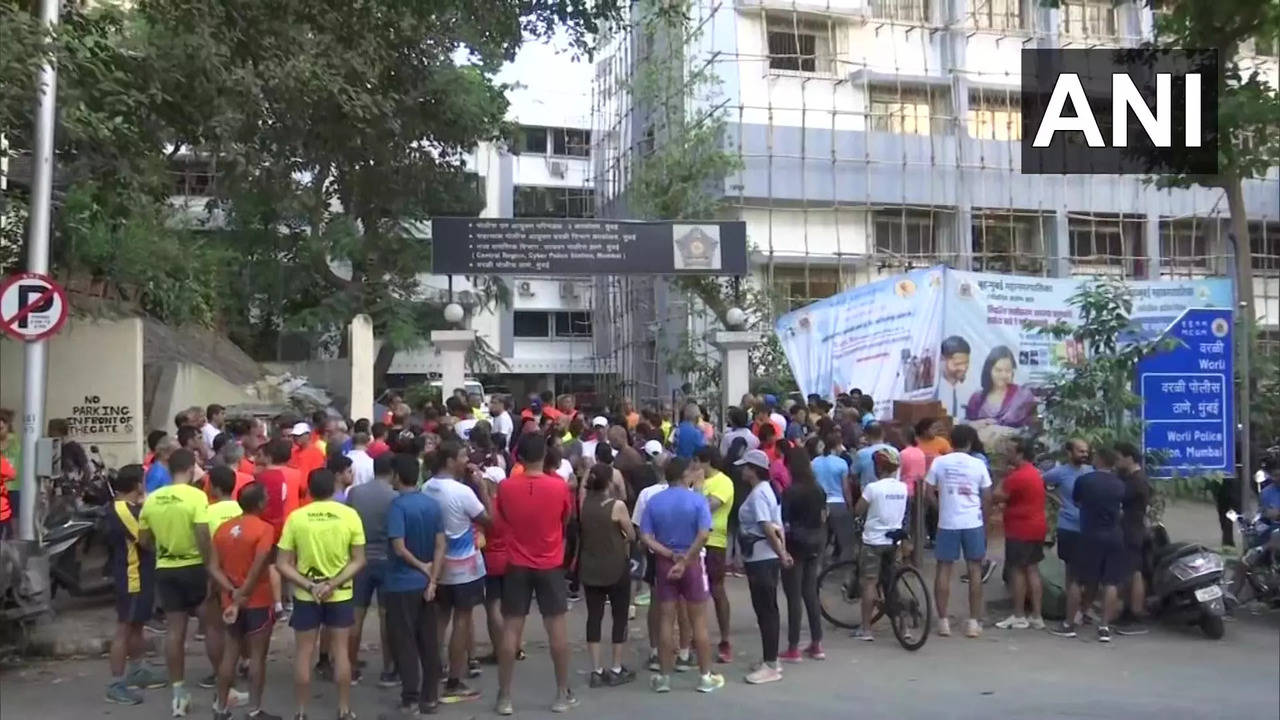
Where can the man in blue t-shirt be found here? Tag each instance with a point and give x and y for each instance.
(1062, 480)
(415, 530)
(689, 436)
(866, 467)
(675, 526)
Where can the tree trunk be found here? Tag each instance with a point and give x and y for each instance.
(1234, 187)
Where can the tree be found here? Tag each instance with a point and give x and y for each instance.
(1249, 141)
(334, 131)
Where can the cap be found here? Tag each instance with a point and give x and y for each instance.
(494, 473)
(535, 403)
(754, 457)
(300, 429)
(770, 399)
(599, 421)
(886, 458)
(653, 448)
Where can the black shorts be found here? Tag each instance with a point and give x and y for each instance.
(523, 583)
(135, 607)
(460, 597)
(1068, 541)
(309, 615)
(370, 580)
(251, 621)
(650, 567)
(1022, 553)
(1100, 561)
(493, 589)
(182, 589)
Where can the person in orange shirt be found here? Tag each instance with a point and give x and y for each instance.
(241, 552)
(307, 456)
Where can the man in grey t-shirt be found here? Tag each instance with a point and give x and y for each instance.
(372, 501)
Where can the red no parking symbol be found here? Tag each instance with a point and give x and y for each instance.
(32, 306)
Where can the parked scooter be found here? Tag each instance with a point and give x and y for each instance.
(74, 537)
(1186, 584)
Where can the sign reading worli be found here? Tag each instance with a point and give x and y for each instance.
(1187, 396)
(554, 246)
(964, 338)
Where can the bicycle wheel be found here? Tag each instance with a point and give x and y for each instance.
(838, 594)
(910, 612)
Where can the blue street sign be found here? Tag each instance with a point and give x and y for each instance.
(1188, 396)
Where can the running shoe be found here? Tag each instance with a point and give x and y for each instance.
(1064, 629)
(685, 664)
(504, 707)
(145, 678)
(724, 652)
(565, 702)
(389, 679)
(598, 679)
(765, 673)
(473, 668)
(1013, 622)
(944, 627)
(1036, 622)
(815, 652)
(709, 683)
(972, 628)
(660, 683)
(622, 676)
(643, 598)
(120, 694)
(1130, 627)
(181, 705)
(209, 681)
(1104, 634)
(655, 664)
(459, 692)
(792, 655)
(261, 714)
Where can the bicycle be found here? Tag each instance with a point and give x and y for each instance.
(901, 594)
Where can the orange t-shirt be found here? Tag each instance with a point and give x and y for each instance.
(239, 542)
(932, 448)
(7, 473)
(296, 494)
(305, 460)
(247, 467)
(242, 479)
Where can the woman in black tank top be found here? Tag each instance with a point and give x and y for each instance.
(603, 567)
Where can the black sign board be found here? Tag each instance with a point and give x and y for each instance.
(553, 246)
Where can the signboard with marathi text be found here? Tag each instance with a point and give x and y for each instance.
(1187, 396)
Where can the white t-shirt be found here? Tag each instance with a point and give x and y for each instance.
(960, 479)
(589, 450)
(565, 471)
(642, 501)
(361, 466)
(209, 432)
(463, 427)
(886, 510)
(459, 505)
(502, 424)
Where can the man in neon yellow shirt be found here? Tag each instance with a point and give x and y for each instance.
(321, 550)
(718, 489)
(174, 522)
(222, 485)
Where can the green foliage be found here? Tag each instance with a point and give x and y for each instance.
(1264, 402)
(1093, 398)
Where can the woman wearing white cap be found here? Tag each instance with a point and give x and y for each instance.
(764, 553)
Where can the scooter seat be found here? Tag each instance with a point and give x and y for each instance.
(1173, 551)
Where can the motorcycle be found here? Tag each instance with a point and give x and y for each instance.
(1186, 584)
(74, 537)
(1255, 575)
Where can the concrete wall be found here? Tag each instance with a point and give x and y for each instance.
(181, 385)
(95, 382)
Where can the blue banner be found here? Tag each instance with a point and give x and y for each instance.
(1188, 396)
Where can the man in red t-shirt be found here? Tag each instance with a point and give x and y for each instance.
(307, 456)
(1022, 494)
(241, 550)
(280, 483)
(533, 508)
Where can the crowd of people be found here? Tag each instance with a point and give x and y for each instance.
(246, 522)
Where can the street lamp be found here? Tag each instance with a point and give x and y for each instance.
(735, 318)
(453, 313)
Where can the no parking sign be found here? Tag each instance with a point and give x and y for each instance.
(32, 306)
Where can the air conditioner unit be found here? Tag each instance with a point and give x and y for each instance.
(557, 168)
(524, 288)
(568, 289)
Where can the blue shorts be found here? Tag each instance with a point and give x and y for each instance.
(311, 615)
(950, 543)
(372, 578)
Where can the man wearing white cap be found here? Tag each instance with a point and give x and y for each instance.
(598, 427)
(653, 451)
(307, 455)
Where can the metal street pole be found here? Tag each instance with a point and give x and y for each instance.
(34, 368)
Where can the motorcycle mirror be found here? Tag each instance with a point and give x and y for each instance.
(1232, 515)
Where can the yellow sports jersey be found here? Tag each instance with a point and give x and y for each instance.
(321, 535)
(221, 512)
(718, 485)
(171, 514)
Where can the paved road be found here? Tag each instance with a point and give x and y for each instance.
(1171, 673)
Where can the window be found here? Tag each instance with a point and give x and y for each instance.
(903, 111)
(995, 115)
(997, 14)
(1102, 242)
(531, 324)
(571, 142)
(1006, 242)
(906, 10)
(192, 177)
(799, 286)
(573, 324)
(1089, 18)
(1183, 244)
(800, 45)
(554, 202)
(906, 234)
(1264, 242)
(533, 140)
